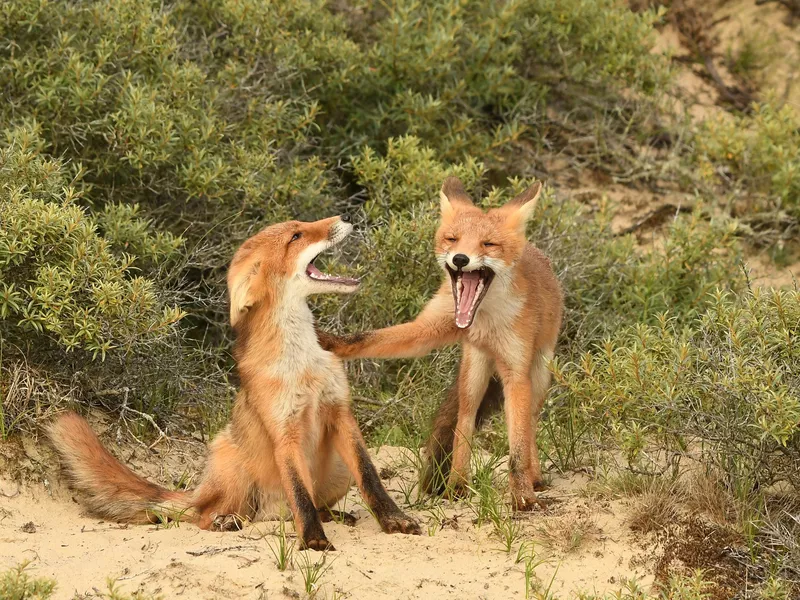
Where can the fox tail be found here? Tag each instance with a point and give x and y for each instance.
(440, 443)
(111, 489)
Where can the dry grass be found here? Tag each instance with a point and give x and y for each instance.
(706, 494)
(27, 397)
(568, 534)
(623, 484)
(653, 511)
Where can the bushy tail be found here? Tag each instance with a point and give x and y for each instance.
(440, 444)
(111, 489)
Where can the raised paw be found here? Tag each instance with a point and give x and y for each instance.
(318, 544)
(227, 523)
(400, 523)
(327, 515)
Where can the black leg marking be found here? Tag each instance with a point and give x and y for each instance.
(313, 533)
(391, 518)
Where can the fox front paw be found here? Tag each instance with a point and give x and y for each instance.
(327, 341)
(319, 544)
(400, 523)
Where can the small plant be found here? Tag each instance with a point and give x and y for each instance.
(312, 572)
(567, 534)
(485, 488)
(166, 519)
(688, 587)
(115, 593)
(282, 550)
(17, 584)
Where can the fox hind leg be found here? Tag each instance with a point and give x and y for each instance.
(540, 384)
(336, 482)
(519, 418)
(473, 381)
(224, 498)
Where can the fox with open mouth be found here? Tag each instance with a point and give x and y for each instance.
(292, 439)
(501, 300)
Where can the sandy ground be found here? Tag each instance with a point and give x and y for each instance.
(42, 523)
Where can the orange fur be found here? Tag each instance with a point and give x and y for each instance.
(292, 439)
(510, 332)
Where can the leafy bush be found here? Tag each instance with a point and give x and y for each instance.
(609, 283)
(76, 310)
(58, 276)
(724, 387)
(760, 151)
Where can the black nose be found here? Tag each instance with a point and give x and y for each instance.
(345, 218)
(461, 260)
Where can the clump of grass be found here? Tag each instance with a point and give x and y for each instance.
(567, 534)
(707, 493)
(282, 549)
(623, 484)
(653, 511)
(312, 572)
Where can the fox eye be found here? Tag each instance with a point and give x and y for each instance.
(489, 244)
(296, 236)
(451, 239)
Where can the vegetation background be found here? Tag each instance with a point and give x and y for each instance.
(143, 141)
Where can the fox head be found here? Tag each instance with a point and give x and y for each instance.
(475, 247)
(279, 261)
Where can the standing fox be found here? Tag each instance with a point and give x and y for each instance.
(292, 435)
(501, 300)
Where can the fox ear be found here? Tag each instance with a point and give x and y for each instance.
(243, 295)
(451, 194)
(521, 207)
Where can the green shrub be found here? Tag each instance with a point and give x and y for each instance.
(723, 386)
(760, 151)
(78, 316)
(59, 278)
(16, 584)
(609, 283)
(473, 78)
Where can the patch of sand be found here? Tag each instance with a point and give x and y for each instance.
(456, 560)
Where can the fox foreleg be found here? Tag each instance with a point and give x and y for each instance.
(349, 443)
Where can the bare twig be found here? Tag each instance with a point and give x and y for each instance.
(212, 550)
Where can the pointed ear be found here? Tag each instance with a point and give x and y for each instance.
(451, 194)
(242, 291)
(521, 207)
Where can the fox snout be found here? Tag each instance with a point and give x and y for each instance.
(340, 229)
(460, 261)
(463, 262)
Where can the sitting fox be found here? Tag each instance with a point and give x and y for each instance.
(501, 300)
(292, 435)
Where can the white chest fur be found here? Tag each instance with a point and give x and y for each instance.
(309, 376)
(495, 324)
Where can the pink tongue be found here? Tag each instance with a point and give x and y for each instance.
(470, 280)
(312, 270)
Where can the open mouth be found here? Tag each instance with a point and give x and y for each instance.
(469, 288)
(314, 273)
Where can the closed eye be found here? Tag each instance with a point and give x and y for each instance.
(296, 236)
(451, 239)
(489, 244)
